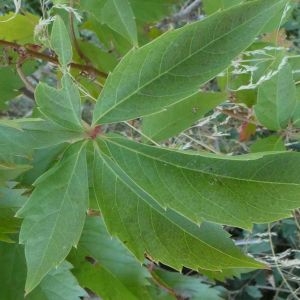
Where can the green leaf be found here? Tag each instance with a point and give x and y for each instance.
(54, 214)
(43, 133)
(254, 292)
(10, 82)
(265, 59)
(143, 11)
(296, 113)
(42, 160)
(13, 141)
(13, 271)
(187, 287)
(118, 15)
(112, 41)
(260, 61)
(278, 21)
(59, 283)
(102, 59)
(101, 282)
(61, 106)
(180, 116)
(226, 274)
(211, 187)
(276, 99)
(60, 41)
(154, 10)
(270, 143)
(10, 201)
(294, 61)
(211, 6)
(60, 1)
(133, 215)
(18, 138)
(10, 171)
(246, 96)
(172, 67)
(116, 273)
(18, 28)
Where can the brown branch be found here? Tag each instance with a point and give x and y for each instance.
(28, 52)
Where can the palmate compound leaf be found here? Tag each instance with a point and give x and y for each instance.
(237, 191)
(54, 214)
(173, 66)
(133, 214)
(113, 272)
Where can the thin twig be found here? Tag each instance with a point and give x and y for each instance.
(23, 77)
(141, 133)
(32, 54)
(201, 144)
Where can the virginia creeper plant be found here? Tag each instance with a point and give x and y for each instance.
(85, 209)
